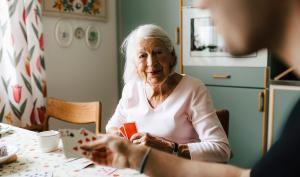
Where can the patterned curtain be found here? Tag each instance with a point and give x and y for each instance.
(22, 65)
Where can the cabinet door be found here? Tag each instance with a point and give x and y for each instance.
(282, 101)
(246, 123)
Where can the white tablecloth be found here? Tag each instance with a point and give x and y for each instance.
(31, 159)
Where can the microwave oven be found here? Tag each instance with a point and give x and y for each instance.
(202, 46)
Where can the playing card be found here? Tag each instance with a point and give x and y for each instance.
(130, 129)
(104, 170)
(122, 130)
(78, 164)
(38, 173)
(72, 139)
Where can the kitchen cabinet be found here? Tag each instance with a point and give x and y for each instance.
(282, 100)
(245, 96)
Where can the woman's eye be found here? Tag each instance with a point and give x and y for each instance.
(157, 52)
(142, 56)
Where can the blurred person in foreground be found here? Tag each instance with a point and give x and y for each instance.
(247, 26)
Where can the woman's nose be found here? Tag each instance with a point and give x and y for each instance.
(151, 60)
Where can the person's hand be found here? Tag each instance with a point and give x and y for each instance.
(114, 151)
(183, 151)
(152, 141)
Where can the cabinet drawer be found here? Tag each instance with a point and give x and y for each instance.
(229, 76)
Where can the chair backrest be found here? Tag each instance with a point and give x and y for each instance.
(223, 116)
(73, 112)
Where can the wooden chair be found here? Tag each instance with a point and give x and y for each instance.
(223, 116)
(73, 112)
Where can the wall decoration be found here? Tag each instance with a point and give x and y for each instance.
(85, 9)
(92, 37)
(64, 33)
(79, 33)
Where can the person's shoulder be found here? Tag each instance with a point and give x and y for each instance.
(192, 82)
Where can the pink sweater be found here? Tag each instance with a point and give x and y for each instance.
(186, 116)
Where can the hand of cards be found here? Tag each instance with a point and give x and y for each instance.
(72, 139)
(128, 129)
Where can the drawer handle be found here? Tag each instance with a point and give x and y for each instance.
(177, 37)
(221, 76)
(261, 100)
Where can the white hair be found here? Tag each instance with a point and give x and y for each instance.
(131, 43)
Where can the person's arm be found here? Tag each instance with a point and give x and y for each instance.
(113, 151)
(213, 145)
(173, 166)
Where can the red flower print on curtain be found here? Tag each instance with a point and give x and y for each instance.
(17, 91)
(23, 86)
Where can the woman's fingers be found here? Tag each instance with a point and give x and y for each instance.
(137, 141)
(136, 136)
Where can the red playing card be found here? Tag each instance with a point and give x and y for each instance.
(123, 131)
(130, 129)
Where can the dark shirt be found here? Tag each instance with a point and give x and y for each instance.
(283, 158)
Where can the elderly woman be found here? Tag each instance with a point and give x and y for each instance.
(173, 112)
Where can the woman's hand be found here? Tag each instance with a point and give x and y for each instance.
(152, 141)
(183, 151)
(114, 151)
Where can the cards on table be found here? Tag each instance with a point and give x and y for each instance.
(78, 164)
(128, 129)
(72, 139)
(38, 173)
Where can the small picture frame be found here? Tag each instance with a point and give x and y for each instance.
(79, 33)
(82, 9)
(63, 33)
(92, 37)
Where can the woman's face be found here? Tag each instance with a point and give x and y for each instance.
(154, 61)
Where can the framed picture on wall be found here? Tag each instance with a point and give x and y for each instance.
(64, 33)
(92, 37)
(84, 9)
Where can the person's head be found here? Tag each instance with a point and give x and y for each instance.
(248, 25)
(150, 55)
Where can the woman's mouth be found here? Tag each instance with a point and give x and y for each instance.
(154, 72)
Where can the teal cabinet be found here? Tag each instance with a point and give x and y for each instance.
(244, 94)
(246, 122)
(282, 100)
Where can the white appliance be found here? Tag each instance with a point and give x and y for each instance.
(202, 46)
